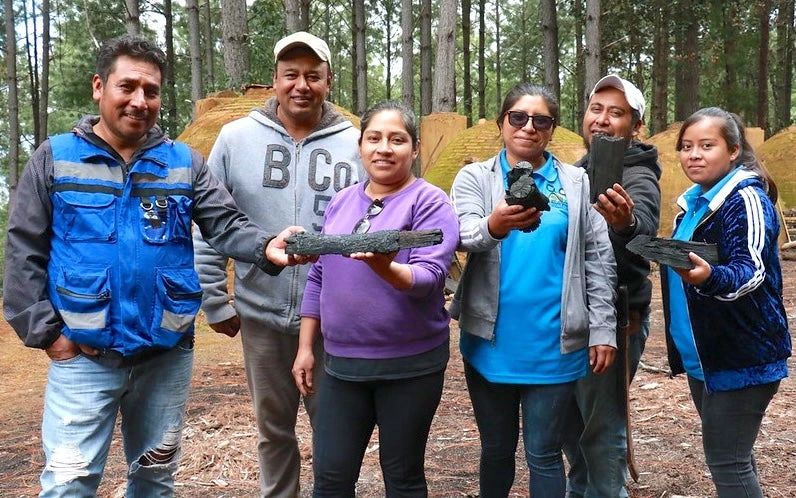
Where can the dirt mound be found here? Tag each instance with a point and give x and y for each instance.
(219, 109)
(673, 181)
(777, 154)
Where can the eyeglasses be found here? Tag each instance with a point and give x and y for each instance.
(363, 225)
(519, 119)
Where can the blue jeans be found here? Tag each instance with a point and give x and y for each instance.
(348, 411)
(596, 444)
(730, 423)
(81, 402)
(497, 408)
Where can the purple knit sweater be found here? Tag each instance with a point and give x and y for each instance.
(361, 315)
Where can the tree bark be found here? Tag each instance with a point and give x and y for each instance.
(592, 50)
(45, 70)
(361, 70)
(467, 83)
(235, 35)
(783, 76)
(686, 72)
(210, 42)
(580, 86)
(729, 16)
(549, 21)
(762, 73)
(444, 98)
(168, 78)
(407, 55)
(498, 65)
(481, 59)
(13, 102)
(658, 120)
(33, 69)
(293, 17)
(195, 51)
(425, 57)
(388, 8)
(133, 17)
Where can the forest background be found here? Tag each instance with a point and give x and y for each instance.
(459, 56)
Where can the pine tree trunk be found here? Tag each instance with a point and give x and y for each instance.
(13, 102)
(195, 51)
(235, 35)
(44, 82)
(361, 69)
(444, 98)
(481, 59)
(425, 57)
(168, 78)
(591, 52)
(762, 73)
(132, 19)
(210, 64)
(407, 55)
(783, 76)
(549, 20)
(467, 83)
(658, 120)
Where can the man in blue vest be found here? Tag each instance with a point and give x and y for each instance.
(100, 275)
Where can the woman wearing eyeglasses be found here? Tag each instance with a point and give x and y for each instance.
(535, 308)
(382, 317)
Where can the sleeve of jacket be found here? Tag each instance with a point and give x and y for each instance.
(221, 231)
(26, 302)
(469, 195)
(600, 276)
(749, 226)
(645, 191)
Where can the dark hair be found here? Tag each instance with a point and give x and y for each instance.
(131, 46)
(407, 116)
(734, 133)
(524, 89)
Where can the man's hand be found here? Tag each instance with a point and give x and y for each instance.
(616, 206)
(275, 250)
(505, 218)
(601, 357)
(64, 349)
(228, 327)
(698, 274)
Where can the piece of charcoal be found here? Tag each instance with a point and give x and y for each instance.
(522, 188)
(382, 241)
(672, 252)
(606, 163)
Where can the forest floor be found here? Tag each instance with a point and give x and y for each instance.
(219, 459)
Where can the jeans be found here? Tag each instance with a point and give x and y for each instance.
(730, 423)
(497, 408)
(347, 414)
(268, 356)
(81, 402)
(596, 444)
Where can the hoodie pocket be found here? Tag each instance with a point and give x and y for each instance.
(84, 299)
(178, 297)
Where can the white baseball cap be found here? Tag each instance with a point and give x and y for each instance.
(303, 39)
(633, 95)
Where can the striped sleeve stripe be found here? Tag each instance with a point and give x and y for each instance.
(756, 239)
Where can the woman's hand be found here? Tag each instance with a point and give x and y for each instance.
(505, 218)
(396, 274)
(601, 357)
(698, 274)
(302, 371)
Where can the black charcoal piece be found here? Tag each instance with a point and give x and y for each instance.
(382, 241)
(606, 163)
(672, 252)
(523, 191)
(522, 188)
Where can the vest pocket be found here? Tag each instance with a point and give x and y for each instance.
(180, 211)
(178, 297)
(84, 300)
(85, 216)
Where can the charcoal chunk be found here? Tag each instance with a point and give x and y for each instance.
(382, 241)
(672, 252)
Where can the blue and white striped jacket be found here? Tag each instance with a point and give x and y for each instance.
(737, 315)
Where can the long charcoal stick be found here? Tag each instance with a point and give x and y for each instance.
(383, 241)
(672, 252)
(606, 163)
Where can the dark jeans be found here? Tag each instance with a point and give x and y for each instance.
(497, 408)
(348, 412)
(730, 423)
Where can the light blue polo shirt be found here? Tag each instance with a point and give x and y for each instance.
(527, 344)
(679, 321)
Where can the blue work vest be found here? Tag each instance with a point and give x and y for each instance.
(121, 271)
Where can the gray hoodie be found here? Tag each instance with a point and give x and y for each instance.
(277, 182)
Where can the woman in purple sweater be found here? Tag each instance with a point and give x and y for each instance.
(382, 316)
